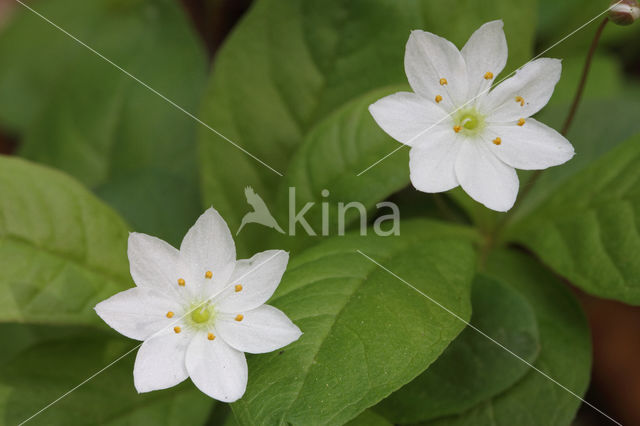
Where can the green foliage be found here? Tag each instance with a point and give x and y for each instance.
(365, 332)
(585, 230)
(473, 368)
(61, 249)
(565, 353)
(84, 116)
(289, 65)
(42, 372)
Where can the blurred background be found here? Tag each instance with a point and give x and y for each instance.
(615, 385)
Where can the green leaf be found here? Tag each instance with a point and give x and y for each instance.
(94, 121)
(473, 368)
(587, 230)
(46, 371)
(366, 333)
(289, 65)
(61, 249)
(369, 418)
(565, 352)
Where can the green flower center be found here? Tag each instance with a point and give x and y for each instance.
(469, 121)
(202, 314)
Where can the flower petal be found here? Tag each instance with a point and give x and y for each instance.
(533, 146)
(138, 312)
(261, 330)
(406, 116)
(208, 246)
(257, 277)
(485, 52)
(160, 362)
(484, 177)
(154, 264)
(217, 369)
(428, 59)
(532, 85)
(432, 163)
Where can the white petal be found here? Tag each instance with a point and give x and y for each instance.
(534, 83)
(258, 277)
(406, 116)
(138, 312)
(485, 178)
(154, 264)
(486, 51)
(160, 362)
(427, 59)
(217, 369)
(432, 163)
(208, 246)
(261, 330)
(533, 146)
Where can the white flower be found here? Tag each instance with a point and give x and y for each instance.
(478, 146)
(199, 309)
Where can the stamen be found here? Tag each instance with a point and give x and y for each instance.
(239, 317)
(208, 274)
(177, 329)
(238, 288)
(521, 122)
(457, 129)
(438, 99)
(443, 81)
(521, 100)
(497, 141)
(169, 314)
(488, 75)
(181, 282)
(210, 336)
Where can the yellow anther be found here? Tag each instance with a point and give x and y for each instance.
(457, 128)
(497, 141)
(520, 99)
(521, 122)
(169, 314)
(181, 282)
(438, 99)
(177, 329)
(488, 75)
(443, 81)
(210, 336)
(239, 317)
(208, 274)
(238, 287)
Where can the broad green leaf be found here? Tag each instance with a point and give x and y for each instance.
(369, 418)
(61, 249)
(95, 122)
(565, 353)
(473, 368)
(587, 230)
(366, 333)
(44, 372)
(290, 64)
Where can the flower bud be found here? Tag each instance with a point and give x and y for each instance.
(624, 12)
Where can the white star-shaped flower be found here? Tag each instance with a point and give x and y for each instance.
(199, 309)
(462, 134)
